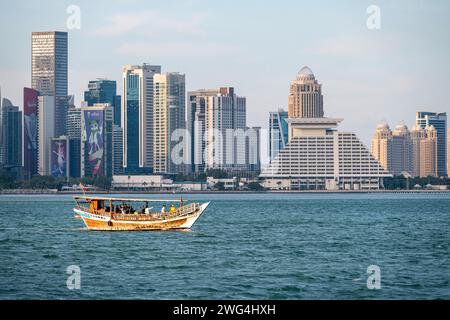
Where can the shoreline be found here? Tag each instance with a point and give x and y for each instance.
(55, 192)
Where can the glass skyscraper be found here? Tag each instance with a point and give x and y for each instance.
(439, 121)
(278, 132)
(49, 72)
(104, 91)
(137, 118)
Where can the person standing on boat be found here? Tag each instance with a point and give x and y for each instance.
(172, 208)
(163, 209)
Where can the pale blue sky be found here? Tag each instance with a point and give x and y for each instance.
(257, 47)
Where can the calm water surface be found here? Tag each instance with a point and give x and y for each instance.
(245, 246)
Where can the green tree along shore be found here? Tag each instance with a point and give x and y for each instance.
(50, 182)
(104, 183)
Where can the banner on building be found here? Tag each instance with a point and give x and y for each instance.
(93, 120)
(58, 159)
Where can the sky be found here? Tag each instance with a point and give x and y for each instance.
(367, 75)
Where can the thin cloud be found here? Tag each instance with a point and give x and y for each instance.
(176, 49)
(152, 23)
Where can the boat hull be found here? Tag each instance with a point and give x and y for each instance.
(104, 223)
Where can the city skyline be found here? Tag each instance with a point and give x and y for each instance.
(361, 69)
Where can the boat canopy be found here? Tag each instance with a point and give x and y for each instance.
(127, 199)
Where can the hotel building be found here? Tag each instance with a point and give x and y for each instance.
(317, 156)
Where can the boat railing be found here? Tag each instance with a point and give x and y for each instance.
(179, 212)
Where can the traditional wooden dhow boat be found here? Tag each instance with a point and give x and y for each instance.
(125, 214)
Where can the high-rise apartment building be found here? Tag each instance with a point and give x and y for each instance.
(195, 122)
(382, 146)
(169, 115)
(278, 132)
(217, 123)
(49, 64)
(428, 153)
(305, 98)
(137, 117)
(439, 122)
(401, 151)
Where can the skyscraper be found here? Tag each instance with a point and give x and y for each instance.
(382, 146)
(97, 140)
(401, 151)
(217, 120)
(74, 139)
(137, 118)
(104, 91)
(278, 132)
(117, 150)
(46, 131)
(448, 152)
(49, 72)
(195, 122)
(305, 98)
(30, 137)
(11, 127)
(439, 121)
(169, 115)
(428, 153)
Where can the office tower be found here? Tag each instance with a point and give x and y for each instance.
(317, 156)
(448, 152)
(74, 136)
(217, 123)
(401, 151)
(382, 146)
(11, 127)
(305, 98)
(117, 150)
(439, 122)
(46, 131)
(278, 132)
(104, 91)
(60, 156)
(49, 72)
(30, 137)
(253, 149)
(428, 153)
(169, 115)
(96, 140)
(137, 118)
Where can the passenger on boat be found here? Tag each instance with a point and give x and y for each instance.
(147, 210)
(163, 209)
(172, 208)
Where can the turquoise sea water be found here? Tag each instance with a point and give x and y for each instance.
(245, 246)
